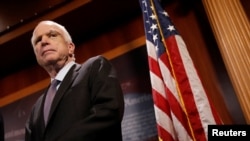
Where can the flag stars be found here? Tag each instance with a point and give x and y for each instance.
(155, 37)
(156, 48)
(153, 27)
(153, 17)
(165, 13)
(145, 3)
(152, 8)
(171, 28)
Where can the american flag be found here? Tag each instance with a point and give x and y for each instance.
(182, 108)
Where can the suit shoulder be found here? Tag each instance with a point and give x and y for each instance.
(96, 59)
(98, 63)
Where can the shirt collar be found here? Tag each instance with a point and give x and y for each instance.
(62, 73)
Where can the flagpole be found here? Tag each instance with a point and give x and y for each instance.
(171, 64)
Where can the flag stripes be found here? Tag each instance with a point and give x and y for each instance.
(182, 108)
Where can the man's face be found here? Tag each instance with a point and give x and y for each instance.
(50, 45)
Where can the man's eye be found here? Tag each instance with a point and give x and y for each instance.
(38, 40)
(52, 34)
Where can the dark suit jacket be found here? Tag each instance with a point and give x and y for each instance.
(88, 106)
(1, 127)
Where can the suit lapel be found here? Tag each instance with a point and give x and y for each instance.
(64, 86)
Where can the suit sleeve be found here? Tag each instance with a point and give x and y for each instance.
(1, 127)
(104, 121)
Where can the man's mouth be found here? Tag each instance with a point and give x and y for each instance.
(47, 51)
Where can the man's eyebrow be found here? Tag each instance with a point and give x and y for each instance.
(50, 32)
(47, 33)
(53, 31)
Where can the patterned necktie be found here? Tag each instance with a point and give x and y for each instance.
(49, 98)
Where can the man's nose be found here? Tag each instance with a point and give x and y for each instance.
(44, 40)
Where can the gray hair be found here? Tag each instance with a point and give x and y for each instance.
(66, 34)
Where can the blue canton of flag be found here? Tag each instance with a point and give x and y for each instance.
(152, 28)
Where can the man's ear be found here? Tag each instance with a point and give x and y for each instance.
(71, 47)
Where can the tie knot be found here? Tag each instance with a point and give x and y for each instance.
(54, 83)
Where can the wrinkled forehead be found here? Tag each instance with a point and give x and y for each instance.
(45, 27)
